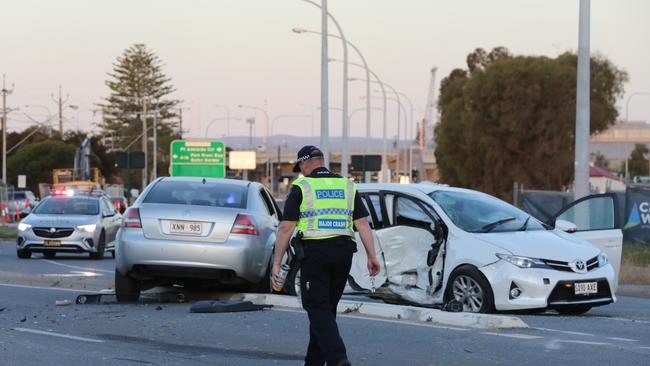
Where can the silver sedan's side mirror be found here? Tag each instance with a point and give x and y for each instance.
(566, 226)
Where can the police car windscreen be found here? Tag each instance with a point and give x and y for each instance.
(68, 206)
(199, 194)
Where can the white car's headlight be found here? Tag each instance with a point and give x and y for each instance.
(522, 262)
(602, 260)
(24, 227)
(87, 228)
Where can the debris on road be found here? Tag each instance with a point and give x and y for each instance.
(63, 302)
(225, 306)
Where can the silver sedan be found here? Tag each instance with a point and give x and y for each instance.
(72, 224)
(196, 232)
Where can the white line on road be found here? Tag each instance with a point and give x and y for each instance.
(52, 334)
(518, 336)
(622, 339)
(401, 322)
(564, 331)
(47, 288)
(554, 344)
(74, 274)
(622, 319)
(76, 267)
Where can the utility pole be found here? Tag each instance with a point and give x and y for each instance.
(180, 122)
(154, 174)
(5, 92)
(581, 167)
(60, 102)
(144, 142)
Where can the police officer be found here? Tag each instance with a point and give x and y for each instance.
(323, 206)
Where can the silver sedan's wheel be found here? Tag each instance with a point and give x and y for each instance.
(469, 293)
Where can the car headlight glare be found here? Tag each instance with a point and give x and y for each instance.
(87, 228)
(522, 262)
(602, 260)
(24, 227)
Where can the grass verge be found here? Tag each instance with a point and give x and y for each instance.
(635, 264)
(7, 233)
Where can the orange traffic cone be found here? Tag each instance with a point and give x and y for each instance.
(17, 211)
(27, 207)
(2, 213)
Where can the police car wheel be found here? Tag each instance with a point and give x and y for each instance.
(293, 283)
(24, 254)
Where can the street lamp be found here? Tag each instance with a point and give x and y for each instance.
(268, 150)
(385, 123)
(227, 119)
(311, 107)
(627, 105)
(400, 105)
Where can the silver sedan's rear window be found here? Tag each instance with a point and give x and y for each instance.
(198, 194)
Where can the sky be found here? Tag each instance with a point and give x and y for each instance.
(223, 53)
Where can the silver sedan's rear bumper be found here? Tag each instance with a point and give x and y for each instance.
(243, 255)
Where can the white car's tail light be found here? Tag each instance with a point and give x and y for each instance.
(243, 225)
(132, 218)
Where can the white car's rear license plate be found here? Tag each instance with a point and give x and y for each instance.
(185, 227)
(586, 288)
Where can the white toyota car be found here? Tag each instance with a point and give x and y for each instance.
(437, 243)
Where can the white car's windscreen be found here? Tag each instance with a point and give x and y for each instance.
(480, 213)
(68, 206)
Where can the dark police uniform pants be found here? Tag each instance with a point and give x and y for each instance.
(324, 273)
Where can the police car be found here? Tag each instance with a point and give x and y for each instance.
(69, 221)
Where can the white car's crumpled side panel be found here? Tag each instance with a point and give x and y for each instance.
(405, 251)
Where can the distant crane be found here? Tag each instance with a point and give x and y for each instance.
(427, 124)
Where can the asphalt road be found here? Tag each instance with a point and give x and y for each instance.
(34, 331)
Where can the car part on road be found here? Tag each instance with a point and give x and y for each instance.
(226, 306)
(468, 286)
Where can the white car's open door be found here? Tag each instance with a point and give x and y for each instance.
(596, 220)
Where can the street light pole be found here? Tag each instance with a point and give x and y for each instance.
(144, 142)
(154, 176)
(581, 174)
(5, 92)
(227, 119)
(627, 105)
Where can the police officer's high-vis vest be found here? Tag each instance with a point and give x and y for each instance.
(326, 208)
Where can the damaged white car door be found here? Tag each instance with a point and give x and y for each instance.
(404, 231)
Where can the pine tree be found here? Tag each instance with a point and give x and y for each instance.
(137, 79)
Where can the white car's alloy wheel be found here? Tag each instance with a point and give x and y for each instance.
(469, 293)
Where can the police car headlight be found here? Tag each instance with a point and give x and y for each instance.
(87, 228)
(602, 260)
(522, 262)
(24, 227)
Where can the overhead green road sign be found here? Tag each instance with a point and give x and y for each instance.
(198, 159)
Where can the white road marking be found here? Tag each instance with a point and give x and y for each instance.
(644, 347)
(76, 267)
(622, 319)
(73, 274)
(518, 336)
(554, 344)
(47, 288)
(565, 331)
(58, 335)
(622, 339)
(401, 322)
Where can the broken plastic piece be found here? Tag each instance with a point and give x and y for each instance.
(226, 306)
